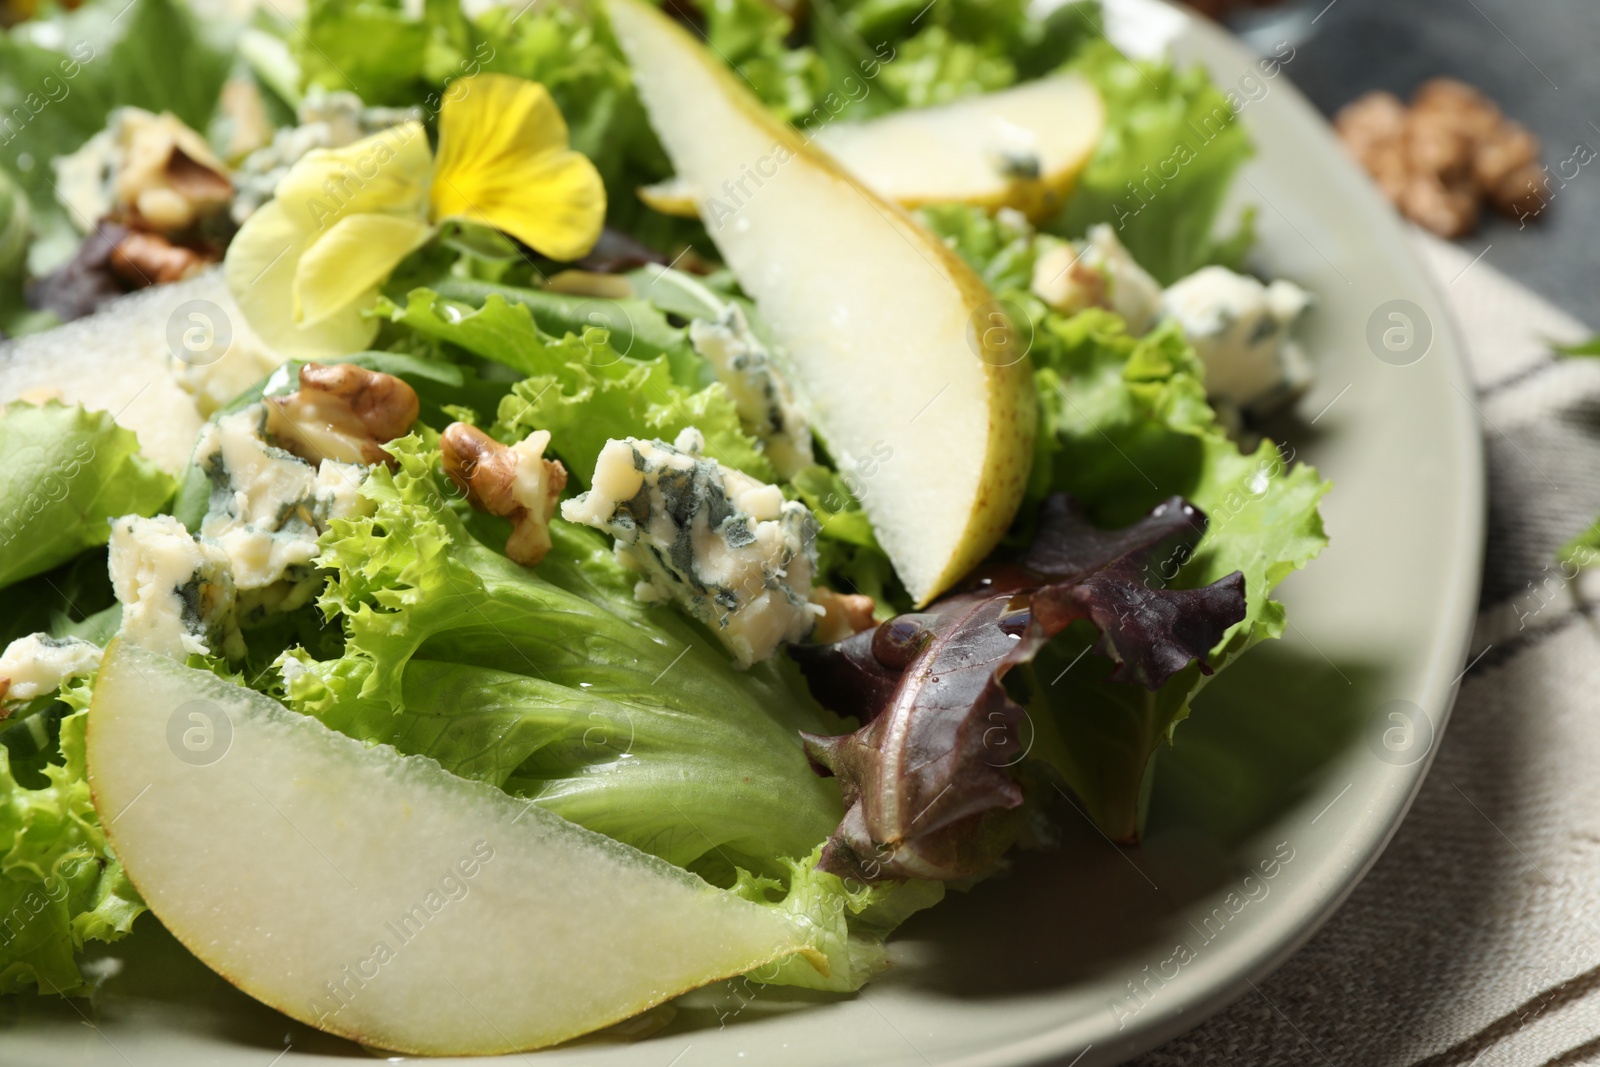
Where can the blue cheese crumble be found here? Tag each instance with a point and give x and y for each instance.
(728, 549)
(267, 509)
(254, 554)
(177, 593)
(1240, 329)
(765, 404)
(38, 664)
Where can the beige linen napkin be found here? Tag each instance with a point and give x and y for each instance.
(1476, 938)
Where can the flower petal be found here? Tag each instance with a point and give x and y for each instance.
(504, 162)
(260, 270)
(386, 173)
(347, 264)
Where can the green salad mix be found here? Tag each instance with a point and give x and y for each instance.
(392, 608)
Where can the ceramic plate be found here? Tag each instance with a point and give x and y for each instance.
(1287, 782)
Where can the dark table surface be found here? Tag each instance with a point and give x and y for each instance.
(1539, 59)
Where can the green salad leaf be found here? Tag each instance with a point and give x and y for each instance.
(1171, 148)
(1128, 425)
(849, 921)
(580, 388)
(554, 683)
(68, 472)
(73, 600)
(1124, 424)
(369, 47)
(59, 885)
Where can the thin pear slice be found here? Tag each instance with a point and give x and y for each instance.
(1022, 148)
(132, 357)
(379, 897)
(914, 377)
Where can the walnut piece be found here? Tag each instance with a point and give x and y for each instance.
(843, 614)
(168, 178)
(1449, 210)
(142, 259)
(513, 481)
(1371, 122)
(342, 412)
(1440, 159)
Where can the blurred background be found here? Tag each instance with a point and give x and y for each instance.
(1536, 61)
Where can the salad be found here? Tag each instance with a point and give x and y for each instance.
(739, 471)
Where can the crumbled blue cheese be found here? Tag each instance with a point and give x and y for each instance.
(38, 664)
(1240, 329)
(1238, 326)
(177, 593)
(765, 404)
(730, 550)
(254, 553)
(1098, 271)
(267, 509)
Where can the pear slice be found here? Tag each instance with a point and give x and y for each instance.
(146, 358)
(379, 897)
(916, 379)
(1022, 148)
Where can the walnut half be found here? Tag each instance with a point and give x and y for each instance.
(141, 259)
(342, 412)
(513, 481)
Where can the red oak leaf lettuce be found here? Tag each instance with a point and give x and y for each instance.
(927, 792)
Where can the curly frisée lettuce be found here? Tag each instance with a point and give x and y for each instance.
(59, 886)
(557, 685)
(580, 387)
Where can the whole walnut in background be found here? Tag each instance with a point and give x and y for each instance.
(1441, 158)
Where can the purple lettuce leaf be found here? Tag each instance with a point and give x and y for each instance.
(928, 791)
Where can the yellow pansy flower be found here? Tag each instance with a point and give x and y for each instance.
(308, 264)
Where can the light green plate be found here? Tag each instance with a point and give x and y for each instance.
(1291, 776)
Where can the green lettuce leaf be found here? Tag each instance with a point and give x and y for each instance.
(73, 600)
(579, 387)
(1127, 426)
(849, 921)
(16, 230)
(1000, 249)
(368, 47)
(557, 685)
(1170, 150)
(59, 884)
(68, 472)
(1584, 549)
